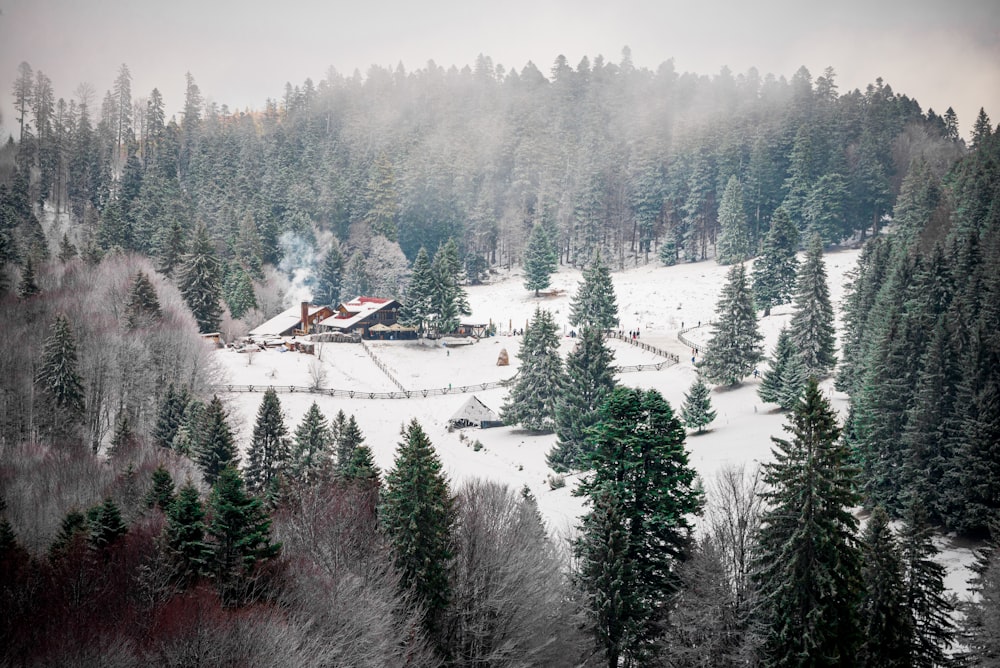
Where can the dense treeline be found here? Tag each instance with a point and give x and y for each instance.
(921, 347)
(604, 155)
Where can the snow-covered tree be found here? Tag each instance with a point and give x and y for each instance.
(811, 327)
(735, 347)
(775, 270)
(783, 382)
(200, 281)
(734, 237)
(697, 412)
(268, 455)
(532, 400)
(594, 303)
(311, 449)
(540, 260)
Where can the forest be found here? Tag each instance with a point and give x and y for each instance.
(132, 532)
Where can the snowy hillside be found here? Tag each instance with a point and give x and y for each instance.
(654, 299)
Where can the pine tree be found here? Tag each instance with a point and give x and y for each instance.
(169, 416)
(418, 515)
(811, 326)
(58, 379)
(981, 623)
(172, 249)
(238, 292)
(67, 251)
(589, 380)
(416, 311)
(240, 530)
(349, 438)
(532, 400)
(217, 449)
(449, 300)
(331, 276)
(73, 528)
(361, 466)
(268, 455)
(161, 494)
(925, 599)
(697, 410)
(199, 281)
(885, 623)
(808, 565)
(191, 433)
(735, 348)
(641, 474)
(775, 270)
(310, 454)
(106, 524)
(594, 303)
(784, 381)
(540, 260)
(248, 248)
(28, 286)
(143, 306)
(187, 547)
(734, 240)
(124, 439)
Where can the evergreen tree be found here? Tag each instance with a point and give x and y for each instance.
(595, 304)
(540, 260)
(238, 292)
(169, 416)
(200, 281)
(268, 455)
(643, 484)
(312, 444)
(808, 565)
(248, 248)
(172, 249)
(161, 494)
(106, 524)
(361, 466)
(775, 270)
(330, 279)
(925, 599)
(735, 349)
(589, 380)
(349, 437)
(67, 251)
(418, 515)
(981, 623)
(416, 311)
(697, 410)
(124, 439)
(532, 400)
(28, 286)
(217, 449)
(191, 433)
(734, 240)
(449, 300)
(811, 326)
(58, 379)
(143, 306)
(73, 528)
(785, 379)
(184, 533)
(240, 530)
(885, 623)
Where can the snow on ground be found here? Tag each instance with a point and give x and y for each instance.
(654, 299)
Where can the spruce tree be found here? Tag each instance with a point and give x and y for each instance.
(238, 291)
(124, 439)
(349, 437)
(28, 286)
(72, 528)
(67, 251)
(735, 347)
(217, 448)
(361, 467)
(775, 270)
(162, 492)
(58, 379)
(143, 306)
(811, 325)
(268, 455)
(418, 515)
(981, 622)
(532, 400)
(311, 448)
(930, 611)
(200, 281)
(331, 276)
(416, 311)
(642, 475)
(106, 524)
(589, 380)
(786, 377)
(734, 237)
(595, 303)
(808, 564)
(540, 260)
(169, 416)
(191, 432)
(697, 412)
(885, 622)
(172, 249)
(188, 550)
(240, 530)
(449, 300)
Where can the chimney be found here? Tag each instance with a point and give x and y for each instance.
(305, 317)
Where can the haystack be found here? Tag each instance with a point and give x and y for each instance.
(503, 360)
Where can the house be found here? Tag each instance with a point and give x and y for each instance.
(297, 320)
(371, 317)
(474, 413)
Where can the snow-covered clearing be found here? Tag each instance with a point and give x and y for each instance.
(656, 300)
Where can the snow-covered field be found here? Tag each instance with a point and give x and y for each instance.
(656, 300)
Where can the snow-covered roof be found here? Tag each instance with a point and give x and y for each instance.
(473, 410)
(350, 313)
(284, 322)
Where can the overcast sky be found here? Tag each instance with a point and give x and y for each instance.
(242, 52)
